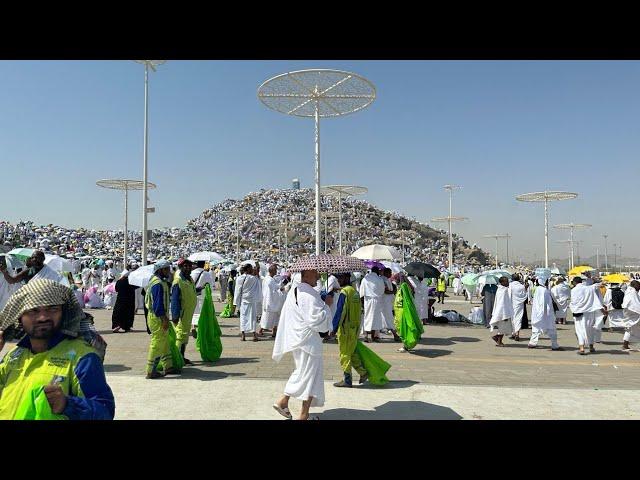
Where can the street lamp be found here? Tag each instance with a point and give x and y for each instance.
(497, 236)
(546, 197)
(342, 192)
(237, 214)
(571, 227)
(606, 260)
(126, 185)
(597, 256)
(148, 64)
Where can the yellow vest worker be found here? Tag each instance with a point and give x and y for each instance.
(183, 303)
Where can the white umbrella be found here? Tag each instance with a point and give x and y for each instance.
(394, 266)
(211, 257)
(141, 277)
(377, 252)
(58, 263)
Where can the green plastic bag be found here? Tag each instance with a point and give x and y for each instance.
(375, 366)
(174, 351)
(35, 406)
(208, 342)
(409, 325)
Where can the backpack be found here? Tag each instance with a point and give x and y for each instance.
(617, 296)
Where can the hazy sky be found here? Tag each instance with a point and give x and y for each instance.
(497, 128)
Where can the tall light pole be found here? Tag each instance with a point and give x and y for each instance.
(615, 251)
(237, 214)
(126, 185)
(571, 227)
(496, 236)
(597, 256)
(606, 260)
(148, 64)
(546, 197)
(342, 192)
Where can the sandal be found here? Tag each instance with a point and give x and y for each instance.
(283, 411)
(256, 339)
(581, 352)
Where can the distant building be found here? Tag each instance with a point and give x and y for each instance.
(296, 184)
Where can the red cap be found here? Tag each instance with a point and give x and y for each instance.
(183, 260)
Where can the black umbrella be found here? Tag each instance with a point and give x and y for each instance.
(420, 269)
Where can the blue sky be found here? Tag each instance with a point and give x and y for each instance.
(499, 128)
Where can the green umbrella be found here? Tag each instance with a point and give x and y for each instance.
(470, 279)
(22, 253)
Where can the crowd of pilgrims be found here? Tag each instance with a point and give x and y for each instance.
(593, 305)
(261, 228)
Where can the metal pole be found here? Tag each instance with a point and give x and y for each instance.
(403, 247)
(598, 258)
(496, 251)
(286, 241)
(340, 221)
(571, 240)
(325, 234)
(237, 239)
(507, 249)
(317, 119)
(546, 233)
(144, 170)
(450, 237)
(615, 251)
(126, 230)
(606, 260)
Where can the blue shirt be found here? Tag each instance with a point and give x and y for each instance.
(157, 294)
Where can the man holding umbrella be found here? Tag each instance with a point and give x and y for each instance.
(304, 315)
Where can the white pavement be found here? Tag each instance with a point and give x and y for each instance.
(251, 399)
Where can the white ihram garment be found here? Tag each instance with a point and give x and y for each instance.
(502, 312)
(518, 296)
(303, 316)
(372, 290)
(272, 301)
(420, 297)
(561, 293)
(615, 316)
(246, 299)
(585, 301)
(457, 286)
(631, 308)
(599, 319)
(543, 319)
(387, 310)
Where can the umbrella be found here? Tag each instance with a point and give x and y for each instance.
(420, 269)
(372, 263)
(557, 271)
(377, 252)
(542, 273)
(328, 264)
(470, 279)
(575, 270)
(394, 266)
(58, 264)
(141, 277)
(211, 257)
(616, 278)
(487, 278)
(22, 253)
(499, 273)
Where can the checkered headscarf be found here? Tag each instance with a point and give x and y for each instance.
(42, 293)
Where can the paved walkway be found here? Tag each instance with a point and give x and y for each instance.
(244, 382)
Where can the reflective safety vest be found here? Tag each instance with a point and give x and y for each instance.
(442, 285)
(188, 295)
(21, 371)
(148, 298)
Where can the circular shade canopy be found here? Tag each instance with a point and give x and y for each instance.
(446, 219)
(343, 190)
(573, 225)
(121, 184)
(545, 196)
(335, 92)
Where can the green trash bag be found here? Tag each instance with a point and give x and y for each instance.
(375, 366)
(174, 351)
(408, 323)
(35, 406)
(209, 342)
